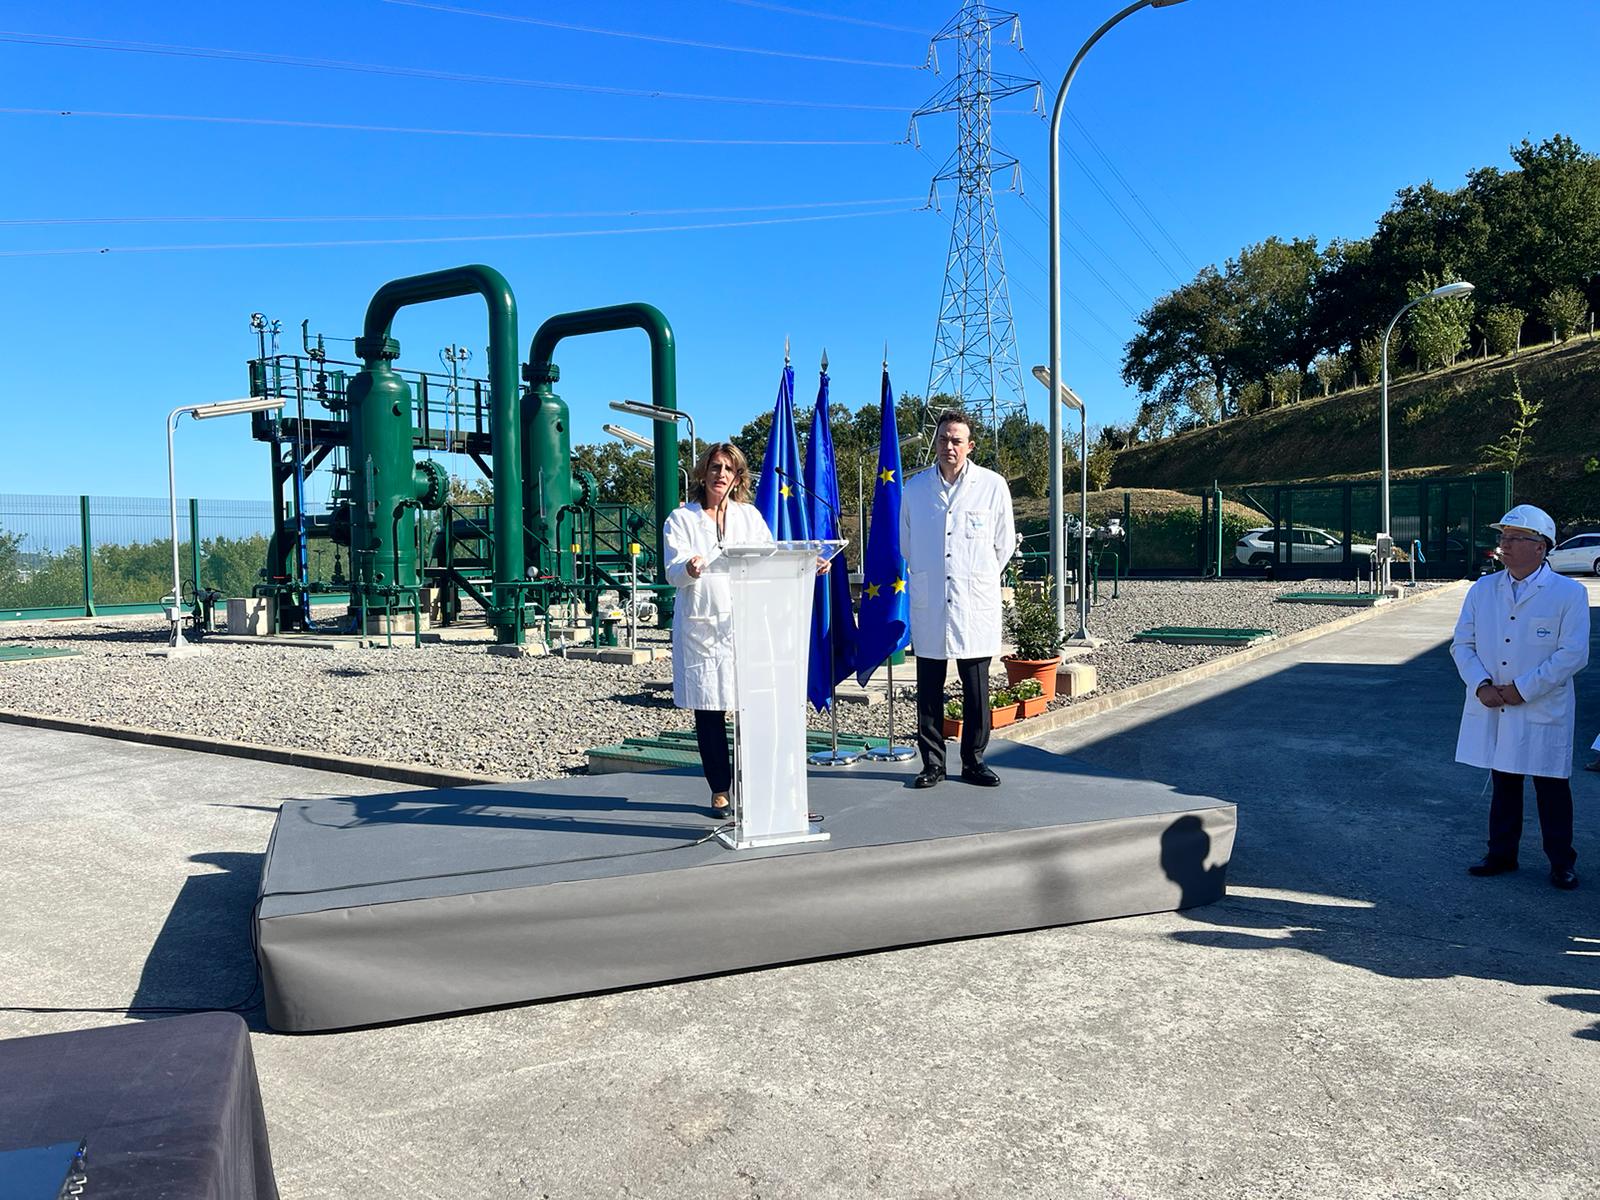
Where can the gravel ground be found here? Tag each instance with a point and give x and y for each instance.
(454, 705)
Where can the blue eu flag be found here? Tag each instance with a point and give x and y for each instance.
(778, 489)
(833, 625)
(885, 626)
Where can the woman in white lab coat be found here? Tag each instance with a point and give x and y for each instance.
(1522, 635)
(717, 514)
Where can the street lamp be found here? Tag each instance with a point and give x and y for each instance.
(661, 415)
(1057, 563)
(176, 646)
(623, 434)
(1070, 399)
(629, 438)
(1056, 559)
(1443, 292)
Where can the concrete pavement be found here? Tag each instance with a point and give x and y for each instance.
(1358, 1019)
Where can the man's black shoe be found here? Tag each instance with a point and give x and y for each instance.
(1566, 879)
(1489, 865)
(981, 775)
(928, 777)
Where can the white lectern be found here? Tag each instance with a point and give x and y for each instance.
(771, 586)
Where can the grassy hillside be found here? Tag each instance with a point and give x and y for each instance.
(1438, 424)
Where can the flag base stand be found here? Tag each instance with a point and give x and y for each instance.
(889, 752)
(834, 757)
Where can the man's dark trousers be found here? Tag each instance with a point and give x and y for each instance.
(974, 676)
(1555, 818)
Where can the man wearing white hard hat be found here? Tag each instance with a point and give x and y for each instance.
(1522, 635)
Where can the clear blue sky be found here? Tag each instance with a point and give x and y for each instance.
(1232, 120)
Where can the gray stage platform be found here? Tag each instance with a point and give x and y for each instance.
(389, 907)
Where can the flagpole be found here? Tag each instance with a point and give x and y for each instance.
(889, 752)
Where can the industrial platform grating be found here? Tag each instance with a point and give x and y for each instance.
(26, 653)
(1200, 635)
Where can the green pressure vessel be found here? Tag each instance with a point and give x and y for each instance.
(387, 485)
(547, 476)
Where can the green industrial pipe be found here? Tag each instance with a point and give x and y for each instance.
(548, 440)
(378, 439)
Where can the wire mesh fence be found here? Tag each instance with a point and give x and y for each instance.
(66, 554)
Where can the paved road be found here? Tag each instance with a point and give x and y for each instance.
(1358, 1019)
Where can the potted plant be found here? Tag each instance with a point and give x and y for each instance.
(1030, 624)
(1002, 708)
(1030, 693)
(952, 719)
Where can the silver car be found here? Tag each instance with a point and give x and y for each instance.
(1266, 547)
(1577, 555)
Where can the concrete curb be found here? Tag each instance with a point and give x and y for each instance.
(367, 768)
(423, 776)
(1060, 718)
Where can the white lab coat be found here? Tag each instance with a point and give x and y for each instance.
(702, 619)
(1539, 643)
(954, 558)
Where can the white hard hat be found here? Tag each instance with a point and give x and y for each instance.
(1526, 516)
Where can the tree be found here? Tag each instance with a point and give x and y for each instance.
(1330, 370)
(1186, 338)
(1103, 445)
(1273, 285)
(1370, 353)
(1438, 329)
(1513, 447)
(1544, 232)
(1285, 385)
(471, 491)
(1502, 328)
(1564, 311)
(623, 474)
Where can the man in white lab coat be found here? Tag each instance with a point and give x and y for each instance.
(1522, 635)
(957, 533)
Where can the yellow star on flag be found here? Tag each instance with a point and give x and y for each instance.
(886, 475)
(872, 591)
(899, 585)
(785, 492)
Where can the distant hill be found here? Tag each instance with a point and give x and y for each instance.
(1438, 424)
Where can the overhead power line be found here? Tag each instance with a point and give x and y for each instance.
(332, 64)
(422, 241)
(346, 127)
(401, 217)
(543, 22)
(822, 16)
(1083, 130)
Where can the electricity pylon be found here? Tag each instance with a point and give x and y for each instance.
(975, 346)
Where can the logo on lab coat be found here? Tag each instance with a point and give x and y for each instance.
(1543, 631)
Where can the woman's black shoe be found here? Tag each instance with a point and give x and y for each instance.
(928, 777)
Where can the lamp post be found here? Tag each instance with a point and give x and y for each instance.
(661, 415)
(1057, 563)
(637, 440)
(1070, 399)
(1443, 292)
(176, 646)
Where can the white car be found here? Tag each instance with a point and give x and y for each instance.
(1266, 547)
(1577, 555)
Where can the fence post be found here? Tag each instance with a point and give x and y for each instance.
(86, 540)
(194, 547)
(1127, 530)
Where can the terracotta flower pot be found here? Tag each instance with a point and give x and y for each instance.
(952, 729)
(1035, 706)
(999, 718)
(1042, 669)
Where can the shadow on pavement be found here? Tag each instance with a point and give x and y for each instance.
(203, 957)
(1356, 825)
